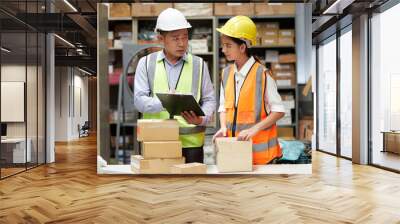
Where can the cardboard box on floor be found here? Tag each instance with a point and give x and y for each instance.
(157, 130)
(149, 9)
(234, 155)
(140, 165)
(162, 149)
(189, 168)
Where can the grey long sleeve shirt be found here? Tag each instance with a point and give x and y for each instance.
(147, 104)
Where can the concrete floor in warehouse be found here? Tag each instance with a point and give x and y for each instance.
(70, 191)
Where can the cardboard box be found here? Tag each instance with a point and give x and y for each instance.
(157, 130)
(189, 168)
(195, 9)
(234, 155)
(233, 9)
(263, 9)
(286, 33)
(266, 32)
(149, 9)
(269, 41)
(286, 133)
(285, 81)
(162, 149)
(140, 165)
(305, 126)
(199, 45)
(289, 74)
(282, 67)
(392, 141)
(286, 41)
(287, 58)
(120, 10)
(271, 26)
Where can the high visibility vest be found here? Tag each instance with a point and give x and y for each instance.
(250, 110)
(189, 82)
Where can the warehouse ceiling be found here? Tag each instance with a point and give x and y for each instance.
(74, 22)
(332, 15)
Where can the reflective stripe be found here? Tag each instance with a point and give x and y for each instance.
(191, 130)
(258, 94)
(241, 127)
(226, 75)
(196, 76)
(152, 70)
(265, 146)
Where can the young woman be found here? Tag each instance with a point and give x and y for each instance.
(250, 104)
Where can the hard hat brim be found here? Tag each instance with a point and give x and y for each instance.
(224, 32)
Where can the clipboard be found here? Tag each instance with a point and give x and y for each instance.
(175, 104)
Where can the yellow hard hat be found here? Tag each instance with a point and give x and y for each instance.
(241, 27)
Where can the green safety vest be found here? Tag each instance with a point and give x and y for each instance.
(189, 82)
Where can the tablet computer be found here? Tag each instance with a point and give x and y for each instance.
(176, 103)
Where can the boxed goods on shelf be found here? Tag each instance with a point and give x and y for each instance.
(120, 10)
(233, 9)
(287, 58)
(149, 9)
(195, 9)
(266, 9)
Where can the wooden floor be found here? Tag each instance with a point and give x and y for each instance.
(70, 191)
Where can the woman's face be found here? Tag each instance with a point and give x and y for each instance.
(231, 49)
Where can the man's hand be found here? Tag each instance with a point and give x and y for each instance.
(192, 118)
(222, 132)
(247, 134)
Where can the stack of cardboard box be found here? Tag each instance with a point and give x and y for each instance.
(234, 155)
(268, 33)
(306, 127)
(161, 148)
(286, 37)
(284, 74)
(289, 104)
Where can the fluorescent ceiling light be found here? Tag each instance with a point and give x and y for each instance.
(64, 40)
(70, 5)
(86, 72)
(5, 50)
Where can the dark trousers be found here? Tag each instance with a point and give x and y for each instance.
(193, 155)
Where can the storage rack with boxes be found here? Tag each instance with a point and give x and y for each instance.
(276, 24)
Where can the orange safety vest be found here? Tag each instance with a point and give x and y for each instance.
(250, 110)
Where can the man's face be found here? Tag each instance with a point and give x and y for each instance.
(175, 42)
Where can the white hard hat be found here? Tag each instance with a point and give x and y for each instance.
(171, 19)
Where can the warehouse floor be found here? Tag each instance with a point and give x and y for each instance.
(70, 191)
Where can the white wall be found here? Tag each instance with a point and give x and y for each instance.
(70, 83)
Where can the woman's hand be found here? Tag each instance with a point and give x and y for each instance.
(220, 133)
(247, 134)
